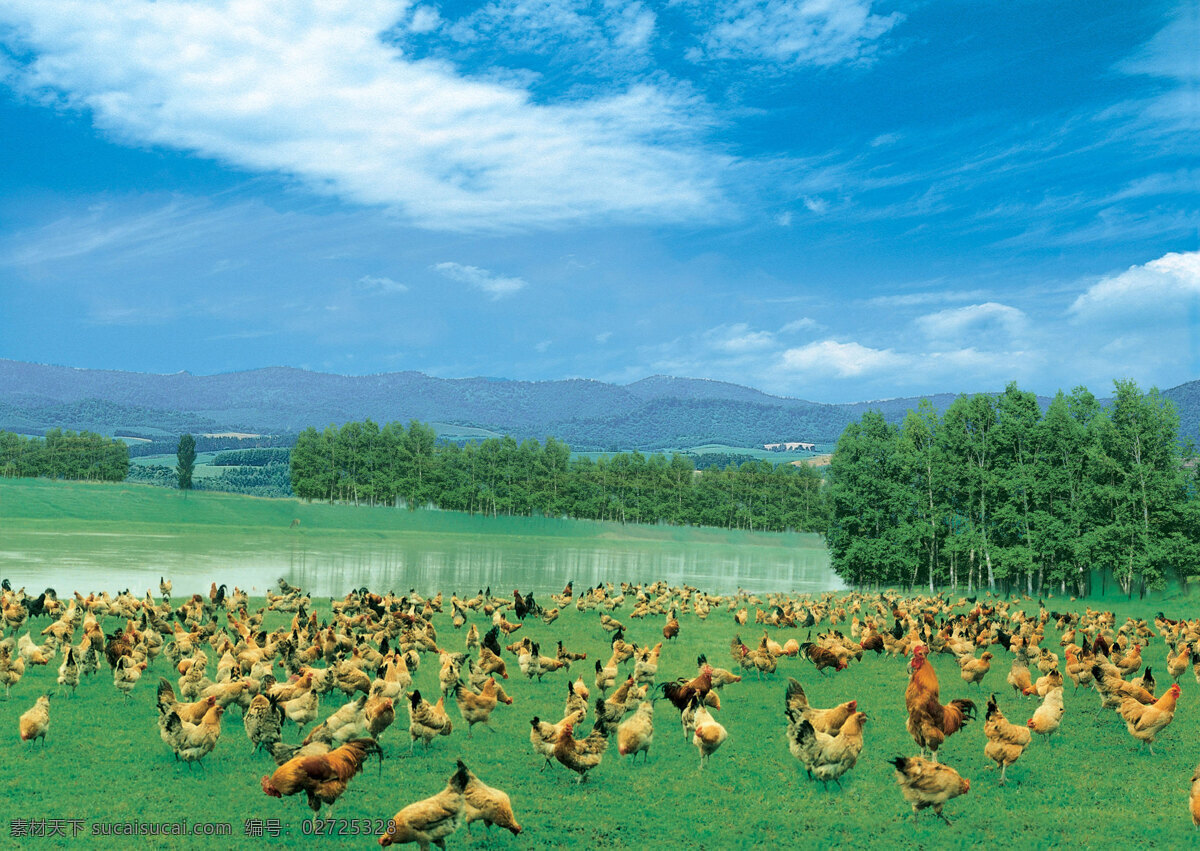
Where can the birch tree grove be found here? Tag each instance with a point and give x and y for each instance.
(1000, 495)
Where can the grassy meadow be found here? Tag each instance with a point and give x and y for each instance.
(103, 761)
(1088, 788)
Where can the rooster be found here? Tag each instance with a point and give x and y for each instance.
(822, 657)
(322, 777)
(929, 722)
(681, 691)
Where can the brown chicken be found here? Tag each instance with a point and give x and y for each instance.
(822, 657)
(826, 757)
(827, 721)
(929, 722)
(681, 691)
(34, 723)
(476, 708)
(1048, 717)
(1144, 723)
(322, 777)
(487, 804)
(580, 755)
(1005, 741)
(192, 742)
(927, 784)
(1019, 679)
(543, 735)
(1194, 798)
(427, 720)
(430, 821)
(974, 670)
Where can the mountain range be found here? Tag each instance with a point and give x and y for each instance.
(659, 412)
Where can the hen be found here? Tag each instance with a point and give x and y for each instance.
(709, 733)
(1144, 723)
(430, 821)
(322, 777)
(427, 720)
(1005, 741)
(823, 720)
(636, 734)
(927, 784)
(487, 804)
(826, 757)
(929, 722)
(192, 742)
(34, 723)
(580, 755)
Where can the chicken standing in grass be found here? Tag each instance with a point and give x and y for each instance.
(824, 756)
(1048, 717)
(1144, 723)
(709, 733)
(487, 804)
(322, 777)
(927, 784)
(427, 720)
(580, 755)
(35, 722)
(430, 821)
(262, 722)
(636, 733)
(1005, 741)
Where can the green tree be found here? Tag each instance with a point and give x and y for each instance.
(185, 461)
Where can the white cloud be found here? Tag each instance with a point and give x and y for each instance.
(802, 324)
(816, 205)
(974, 321)
(738, 339)
(1165, 287)
(310, 89)
(372, 283)
(843, 360)
(603, 337)
(924, 298)
(494, 285)
(541, 347)
(790, 32)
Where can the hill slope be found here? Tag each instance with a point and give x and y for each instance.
(654, 413)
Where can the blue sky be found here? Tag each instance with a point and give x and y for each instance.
(831, 199)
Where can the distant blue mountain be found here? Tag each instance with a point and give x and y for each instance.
(654, 413)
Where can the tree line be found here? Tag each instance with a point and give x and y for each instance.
(365, 463)
(994, 493)
(62, 454)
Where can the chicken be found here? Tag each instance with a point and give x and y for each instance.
(1005, 741)
(379, 714)
(543, 735)
(1047, 717)
(126, 675)
(709, 734)
(430, 821)
(427, 720)
(606, 676)
(1019, 679)
(576, 700)
(487, 804)
(636, 733)
(580, 755)
(348, 722)
(192, 742)
(973, 670)
(1194, 798)
(824, 756)
(822, 657)
(322, 777)
(681, 691)
(262, 722)
(34, 723)
(927, 784)
(671, 627)
(929, 722)
(302, 710)
(476, 708)
(68, 671)
(1144, 723)
(822, 720)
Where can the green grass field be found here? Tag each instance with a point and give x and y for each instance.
(1089, 788)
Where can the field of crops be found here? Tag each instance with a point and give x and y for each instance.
(104, 762)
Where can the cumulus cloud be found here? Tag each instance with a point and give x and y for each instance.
(843, 360)
(983, 321)
(494, 285)
(310, 89)
(1165, 287)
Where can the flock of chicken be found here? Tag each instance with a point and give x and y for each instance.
(371, 644)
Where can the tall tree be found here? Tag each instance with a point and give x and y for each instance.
(185, 465)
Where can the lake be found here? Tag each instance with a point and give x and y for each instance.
(70, 539)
